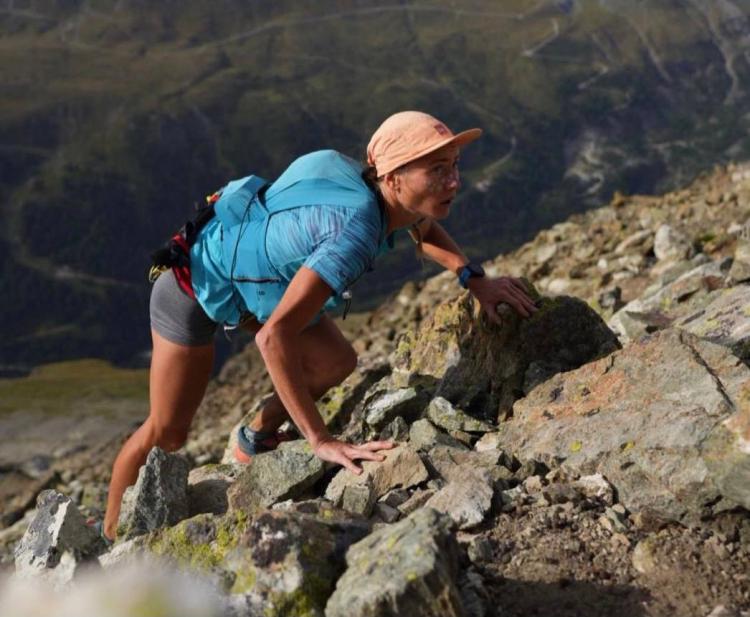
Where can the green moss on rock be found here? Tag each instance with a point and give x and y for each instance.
(201, 542)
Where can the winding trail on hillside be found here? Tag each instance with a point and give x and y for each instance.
(362, 12)
(12, 233)
(530, 52)
(650, 49)
(729, 49)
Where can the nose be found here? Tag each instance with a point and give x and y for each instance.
(453, 179)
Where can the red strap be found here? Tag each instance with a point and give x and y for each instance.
(182, 273)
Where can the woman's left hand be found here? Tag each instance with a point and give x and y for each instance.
(492, 291)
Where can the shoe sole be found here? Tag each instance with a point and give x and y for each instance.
(241, 457)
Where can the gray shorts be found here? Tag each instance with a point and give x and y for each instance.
(176, 316)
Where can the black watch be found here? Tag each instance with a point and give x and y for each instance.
(470, 270)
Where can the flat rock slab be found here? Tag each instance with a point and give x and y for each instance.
(443, 414)
(402, 468)
(285, 473)
(57, 539)
(666, 421)
(159, 497)
(408, 568)
(450, 463)
(403, 402)
(208, 486)
(661, 306)
(467, 498)
(724, 319)
(423, 435)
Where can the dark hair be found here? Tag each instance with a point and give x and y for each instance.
(370, 176)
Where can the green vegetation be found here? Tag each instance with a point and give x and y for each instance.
(93, 384)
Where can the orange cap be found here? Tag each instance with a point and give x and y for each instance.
(409, 135)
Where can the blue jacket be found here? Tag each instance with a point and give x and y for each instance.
(319, 213)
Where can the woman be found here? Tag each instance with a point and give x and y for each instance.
(293, 253)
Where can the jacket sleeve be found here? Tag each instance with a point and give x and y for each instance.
(346, 253)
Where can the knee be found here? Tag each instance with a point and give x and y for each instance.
(168, 438)
(327, 372)
(344, 366)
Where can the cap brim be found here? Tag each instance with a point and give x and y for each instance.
(460, 139)
(466, 137)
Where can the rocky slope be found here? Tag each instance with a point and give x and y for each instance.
(591, 460)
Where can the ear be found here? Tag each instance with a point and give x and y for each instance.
(393, 181)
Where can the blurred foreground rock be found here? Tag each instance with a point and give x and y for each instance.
(58, 542)
(409, 568)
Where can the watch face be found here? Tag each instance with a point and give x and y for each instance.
(475, 269)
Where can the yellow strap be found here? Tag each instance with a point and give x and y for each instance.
(155, 272)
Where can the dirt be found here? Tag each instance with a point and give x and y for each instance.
(563, 559)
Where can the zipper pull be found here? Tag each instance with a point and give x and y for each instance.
(346, 295)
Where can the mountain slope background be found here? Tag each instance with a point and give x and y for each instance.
(116, 117)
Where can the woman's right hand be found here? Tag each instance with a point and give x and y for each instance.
(342, 453)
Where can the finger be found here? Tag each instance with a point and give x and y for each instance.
(518, 284)
(524, 294)
(519, 307)
(350, 464)
(513, 297)
(365, 455)
(492, 314)
(377, 445)
(524, 299)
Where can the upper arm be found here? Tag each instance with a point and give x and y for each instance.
(302, 301)
(343, 256)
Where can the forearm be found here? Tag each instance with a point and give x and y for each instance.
(277, 346)
(438, 246)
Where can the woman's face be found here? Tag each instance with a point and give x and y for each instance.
(428, 185)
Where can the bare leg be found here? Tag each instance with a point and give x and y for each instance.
(327, 359)
(177, 382)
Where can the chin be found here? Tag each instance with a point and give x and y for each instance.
(441, 211)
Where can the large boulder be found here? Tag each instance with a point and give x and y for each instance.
(159, 496)
(666, 421)
(482, 368)
(409, 568)
(284, 473)
(57, 542)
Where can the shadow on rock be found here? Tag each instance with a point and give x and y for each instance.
(516, 598)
